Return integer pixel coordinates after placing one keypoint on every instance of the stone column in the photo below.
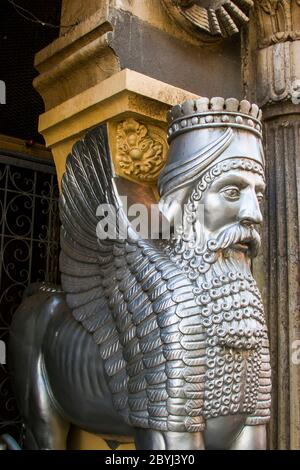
(272, 79)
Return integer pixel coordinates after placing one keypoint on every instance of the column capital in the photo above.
(129, 101)
(277, 21)
(272, 50)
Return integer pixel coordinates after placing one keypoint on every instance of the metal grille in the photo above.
(29, 250)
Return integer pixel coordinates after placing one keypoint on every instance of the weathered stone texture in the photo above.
(271, 74)
(282, 270)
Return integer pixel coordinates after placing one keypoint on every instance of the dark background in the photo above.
(20, 39)
(29, 221)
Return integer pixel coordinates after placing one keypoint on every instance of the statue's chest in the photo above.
(231, 382)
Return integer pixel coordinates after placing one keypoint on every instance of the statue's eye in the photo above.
(232, 193)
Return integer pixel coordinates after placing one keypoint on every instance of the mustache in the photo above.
(236, 234)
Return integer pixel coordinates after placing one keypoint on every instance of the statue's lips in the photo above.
(240, 247)
(244, 246)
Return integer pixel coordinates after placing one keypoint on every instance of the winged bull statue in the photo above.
(164, 341)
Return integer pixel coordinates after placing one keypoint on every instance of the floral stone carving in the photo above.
(141, 151)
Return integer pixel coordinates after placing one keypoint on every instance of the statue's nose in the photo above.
(250, 213)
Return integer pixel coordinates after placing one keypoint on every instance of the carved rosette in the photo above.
(218, 18)
(140, 151)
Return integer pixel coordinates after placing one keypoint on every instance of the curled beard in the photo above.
(231, 308)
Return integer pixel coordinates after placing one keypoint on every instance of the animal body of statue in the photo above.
(161, 341)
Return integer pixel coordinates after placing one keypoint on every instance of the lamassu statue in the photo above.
(163, 341)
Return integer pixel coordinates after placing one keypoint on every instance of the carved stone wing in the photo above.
(137, 304)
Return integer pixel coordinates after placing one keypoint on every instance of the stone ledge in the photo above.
(19, 145)
(124, 92)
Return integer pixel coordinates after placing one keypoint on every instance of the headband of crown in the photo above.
(215, 112)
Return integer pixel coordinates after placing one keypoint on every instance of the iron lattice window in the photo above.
(29, 251)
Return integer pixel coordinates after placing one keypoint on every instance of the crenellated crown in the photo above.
(214, 112)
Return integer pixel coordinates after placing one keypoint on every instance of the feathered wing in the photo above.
(137, 304)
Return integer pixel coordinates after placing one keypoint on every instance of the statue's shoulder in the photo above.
(38, 309)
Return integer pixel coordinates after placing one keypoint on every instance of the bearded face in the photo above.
(214, 246)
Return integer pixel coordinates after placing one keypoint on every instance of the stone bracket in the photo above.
(126, 94)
